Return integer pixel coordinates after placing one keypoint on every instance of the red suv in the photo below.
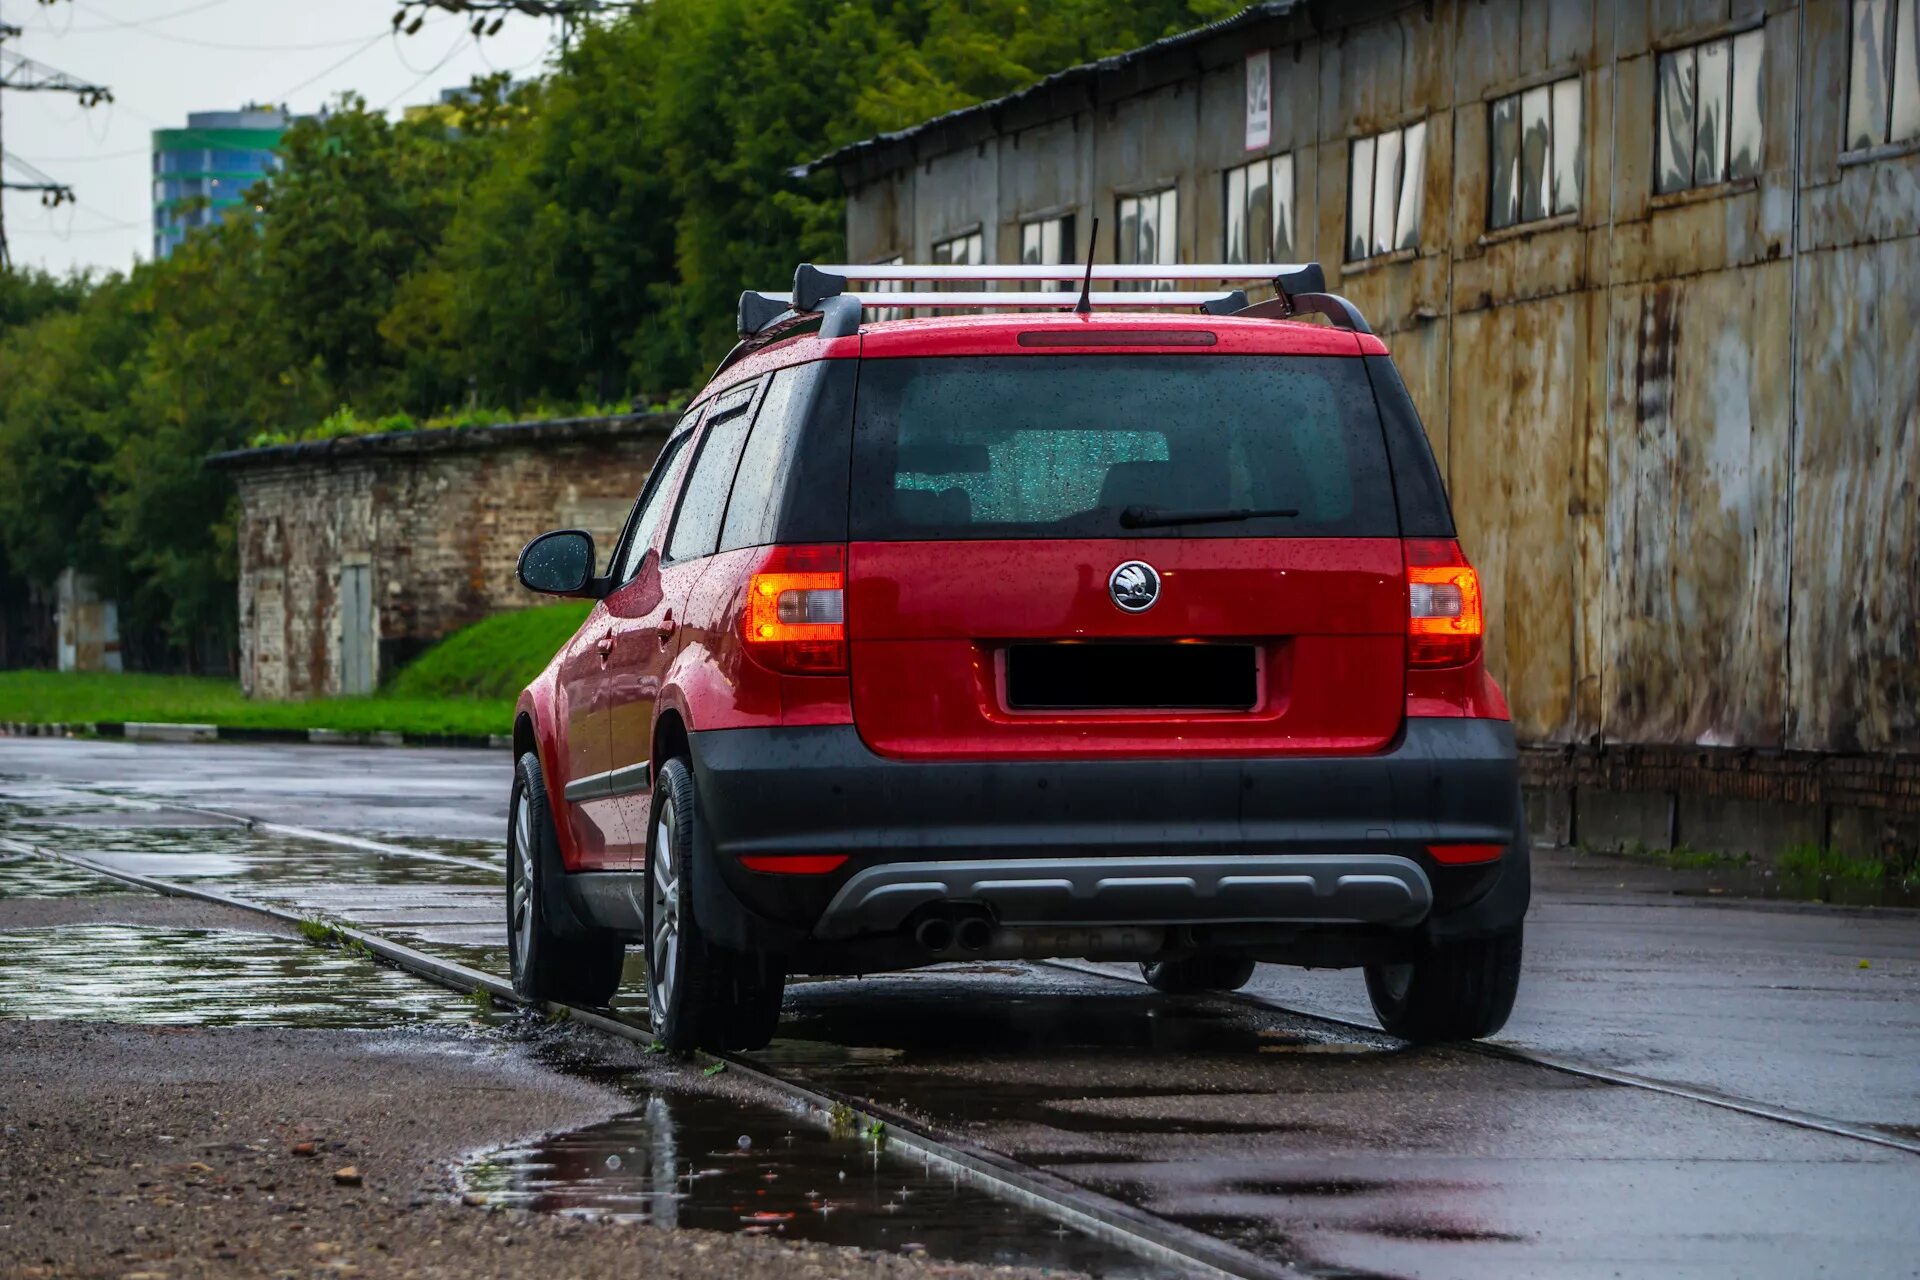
(1104, 630)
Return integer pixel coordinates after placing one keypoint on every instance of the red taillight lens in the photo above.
(1444, 616)
(1463, 855)
(796, 614)
(794, 864)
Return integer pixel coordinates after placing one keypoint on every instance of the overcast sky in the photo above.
(164, 58)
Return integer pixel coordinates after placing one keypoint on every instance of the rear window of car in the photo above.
(1060, 446)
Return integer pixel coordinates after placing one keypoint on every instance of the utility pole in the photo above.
(21, 74)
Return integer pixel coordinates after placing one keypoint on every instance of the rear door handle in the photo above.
(605, 645)
(667, 627)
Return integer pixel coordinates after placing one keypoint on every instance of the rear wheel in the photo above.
(699, 994)
(1452, 991)
(1207, 971)
(545, 964)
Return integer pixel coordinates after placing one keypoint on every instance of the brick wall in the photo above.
(436, 518)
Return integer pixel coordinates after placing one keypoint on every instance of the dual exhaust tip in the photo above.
(938, 935)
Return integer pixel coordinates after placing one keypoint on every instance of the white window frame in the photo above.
(968, 249)
(1050, 241)
(1561, 106)
(1278, 173)
(1883, 74)
(1129, 244)
(1678, 71)
(1379, 226)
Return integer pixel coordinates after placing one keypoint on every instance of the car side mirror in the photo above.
(559, 563)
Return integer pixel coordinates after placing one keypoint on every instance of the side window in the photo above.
(696, 529)
(767, 458)
(655, 499)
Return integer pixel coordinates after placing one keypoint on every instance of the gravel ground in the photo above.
(184, 1152)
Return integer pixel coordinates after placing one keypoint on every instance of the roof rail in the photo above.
(1301, 287)
(1142, 299)
(1247, 272)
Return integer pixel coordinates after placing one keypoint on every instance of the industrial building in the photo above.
(357, 553)
(1651, 269)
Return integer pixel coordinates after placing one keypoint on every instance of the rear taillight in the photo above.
(1444, 617)
(796, 614)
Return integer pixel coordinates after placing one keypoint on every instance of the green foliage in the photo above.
(347, 421)
(494, 658)
(582, 239)
(1818, 862)
(1684, 857)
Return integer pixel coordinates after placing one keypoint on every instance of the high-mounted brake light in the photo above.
(795, 619)
(1444, 617)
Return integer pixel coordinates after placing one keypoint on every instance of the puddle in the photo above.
(717, 1164)
(207, 977)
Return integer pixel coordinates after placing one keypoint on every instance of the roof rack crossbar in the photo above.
(1244, 272)
(822, 291)
(949, 301)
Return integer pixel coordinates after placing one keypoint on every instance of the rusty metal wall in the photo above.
(1682, 430)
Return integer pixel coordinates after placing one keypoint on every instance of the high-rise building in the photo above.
(203, 170)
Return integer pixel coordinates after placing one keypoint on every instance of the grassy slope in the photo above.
(464, 685)
(494, 658)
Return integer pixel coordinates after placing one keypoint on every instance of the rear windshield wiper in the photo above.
(1160, 517)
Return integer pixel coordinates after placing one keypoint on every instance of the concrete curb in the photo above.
(151, 731)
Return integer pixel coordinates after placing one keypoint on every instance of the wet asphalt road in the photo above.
(1336, 1150)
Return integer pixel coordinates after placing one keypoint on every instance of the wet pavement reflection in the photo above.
(681, 1160)
(207, 977)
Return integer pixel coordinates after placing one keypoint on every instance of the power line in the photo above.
(222, 45)
(111, 23)
(90, 158)
(21, 74)
(286, 94)
(445, 58)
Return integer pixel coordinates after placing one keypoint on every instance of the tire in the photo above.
(1207, 971)
(699, 994)
(545, 964)
(1452, 991)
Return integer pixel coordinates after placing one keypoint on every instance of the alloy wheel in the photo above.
(663, 890)
(520, 905)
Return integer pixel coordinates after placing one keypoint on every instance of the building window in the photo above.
(1386, 174)
(1710, 113)
(1260, 200)
(1883, 91)
(889, 286)
(1537, 154)
(1045, 242)
(969, 250)
(1149, 233)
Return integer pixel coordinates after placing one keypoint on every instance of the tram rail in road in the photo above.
(1150, 1220)
(1164, 1242)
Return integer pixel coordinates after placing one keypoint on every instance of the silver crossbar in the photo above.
(931, 301)
(1251, 272)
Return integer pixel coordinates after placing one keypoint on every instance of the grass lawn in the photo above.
(464, 685)
(53, 697)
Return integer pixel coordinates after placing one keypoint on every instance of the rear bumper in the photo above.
(1334, 840)
(1355, 888)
